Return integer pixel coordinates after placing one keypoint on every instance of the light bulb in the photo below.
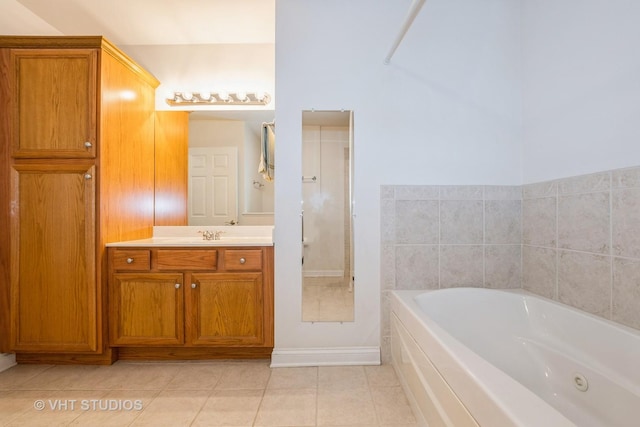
(187, 96)
(205, 96)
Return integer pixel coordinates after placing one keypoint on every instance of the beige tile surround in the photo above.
(448, 236)
(222, 393)
(581, 243)
(575, 240)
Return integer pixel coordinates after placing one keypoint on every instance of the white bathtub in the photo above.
(492, 358)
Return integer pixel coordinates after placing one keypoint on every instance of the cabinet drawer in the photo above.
(134, 259)
(187, 259)
(242, 259)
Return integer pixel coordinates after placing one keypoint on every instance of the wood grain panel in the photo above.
(147, 309)
(226, 309)
(53, 277)
(172, 152)
(5, 200)
(187, 259)
(131, 259)
(126, 153)
(193, 353)
(268, 294)
(79, 42)
(242, 259)
(55, 95)
(106, 357)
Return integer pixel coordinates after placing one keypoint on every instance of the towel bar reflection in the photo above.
(309, 178)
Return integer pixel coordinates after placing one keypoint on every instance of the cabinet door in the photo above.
(55, 95)
(146, 308)
(226, 309)
(53, 273)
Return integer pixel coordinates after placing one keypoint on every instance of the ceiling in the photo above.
(144, 22)
(164, 35)
(161, 23)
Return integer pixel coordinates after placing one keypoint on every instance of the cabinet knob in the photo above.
(87, 176)
(242, 260)
(193, 286)
(177, 285)
(88, 144)
(129, 260)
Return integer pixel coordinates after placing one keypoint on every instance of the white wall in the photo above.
(581, 87)
(447, 110)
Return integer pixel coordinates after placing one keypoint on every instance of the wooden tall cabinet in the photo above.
(54, 290)
(77, 172)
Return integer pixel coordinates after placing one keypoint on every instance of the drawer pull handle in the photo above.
(177, 285)
(193, 286)
(129, 260)
(87, 176)
(88, 144)
(242, 260)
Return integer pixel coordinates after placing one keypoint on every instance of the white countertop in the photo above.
(188, 236)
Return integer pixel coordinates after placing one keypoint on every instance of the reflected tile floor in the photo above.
(220, 393)
(327, 299)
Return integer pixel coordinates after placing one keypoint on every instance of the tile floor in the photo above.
(220, 393)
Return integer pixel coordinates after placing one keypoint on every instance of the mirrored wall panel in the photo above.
(227, 184)
(327, 226)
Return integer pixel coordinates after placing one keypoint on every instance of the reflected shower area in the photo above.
(327, 226)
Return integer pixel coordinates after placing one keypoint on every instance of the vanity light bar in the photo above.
(218, 98)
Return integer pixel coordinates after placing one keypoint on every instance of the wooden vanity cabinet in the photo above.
(149, 309)
(226, 309)
(76, 172)
(191, 302)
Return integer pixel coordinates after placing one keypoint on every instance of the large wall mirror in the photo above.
(226, 186)
(327, 226)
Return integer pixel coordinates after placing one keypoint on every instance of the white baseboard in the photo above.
(323, 273)
(7, 360)
(334, 356)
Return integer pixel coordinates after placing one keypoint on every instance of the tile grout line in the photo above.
(375, 407)
(264, 390)
(317, 394)
(557, 243)
(611, 251)
(484, 238)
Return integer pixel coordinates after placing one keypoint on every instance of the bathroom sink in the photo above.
(222, 241)
(192, 236)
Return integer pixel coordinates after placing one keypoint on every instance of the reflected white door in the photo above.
(213, 185)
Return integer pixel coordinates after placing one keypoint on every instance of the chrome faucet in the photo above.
(210, 235)
(206, 235)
